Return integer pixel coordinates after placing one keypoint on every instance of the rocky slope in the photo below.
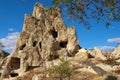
(3, 57)
(46, 42)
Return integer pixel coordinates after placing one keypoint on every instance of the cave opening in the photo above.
(34, 43)
(63, 44)
(40, 44)
(22, 46)
(54, 33)
(14, 74)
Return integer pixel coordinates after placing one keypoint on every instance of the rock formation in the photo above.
(3, 56)
(97, 53)
(116, 53)
(44, 40)
(82, 54)
(44, 37)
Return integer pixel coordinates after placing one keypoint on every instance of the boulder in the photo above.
(81, 55)
(116, 53)
(97, 53)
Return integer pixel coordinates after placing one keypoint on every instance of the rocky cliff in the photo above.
(44, 37)
(44, 41)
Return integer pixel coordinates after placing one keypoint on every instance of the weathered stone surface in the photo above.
(105, 67)
(116, 53)
(81, 55)
(87, 69)
(38, 77)
(97, 53)
(3, 58)
(3, 54)
(44, 37)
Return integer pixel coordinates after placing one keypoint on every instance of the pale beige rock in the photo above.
(116, 53)
(3, 60)
(72, 41)
(38, 77)
(97, 53)
(81, 55)
(105, 67)
(87, 69)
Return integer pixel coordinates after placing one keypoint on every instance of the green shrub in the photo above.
(62, 70)
(111, 78)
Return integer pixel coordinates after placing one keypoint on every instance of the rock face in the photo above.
(116, 53)
(43, 38)
(97, 53)
(3, 56)
(82, 54)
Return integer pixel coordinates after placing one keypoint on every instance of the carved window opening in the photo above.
(15, 63)
(63, 44)
(22, 47)
(14, 74)
(40, 44)
(54, 33)
(34, 43)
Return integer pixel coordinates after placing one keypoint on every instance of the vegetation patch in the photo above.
(62, 70)
(111, 78)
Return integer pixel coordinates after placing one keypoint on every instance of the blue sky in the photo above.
(12, 18)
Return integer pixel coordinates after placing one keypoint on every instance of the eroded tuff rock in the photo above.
(43, 38)
(81, 55)
(97, 53)
(116, 53)
(3, 56)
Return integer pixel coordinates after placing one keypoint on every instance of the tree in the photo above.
(85, 10)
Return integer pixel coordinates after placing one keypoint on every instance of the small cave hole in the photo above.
(40, 44)
(54, 33)
(22, 47)
(34, 43)
(63, 44)
(14, 74)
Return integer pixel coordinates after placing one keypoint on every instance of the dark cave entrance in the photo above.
(63, 44)
(22, 46)
(54, 33)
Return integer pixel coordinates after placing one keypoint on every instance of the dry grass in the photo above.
(30, 74)
(110, 61)
(75, 76)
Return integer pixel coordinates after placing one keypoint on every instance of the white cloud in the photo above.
(114, 40)
(106, 48)
(9, 41)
